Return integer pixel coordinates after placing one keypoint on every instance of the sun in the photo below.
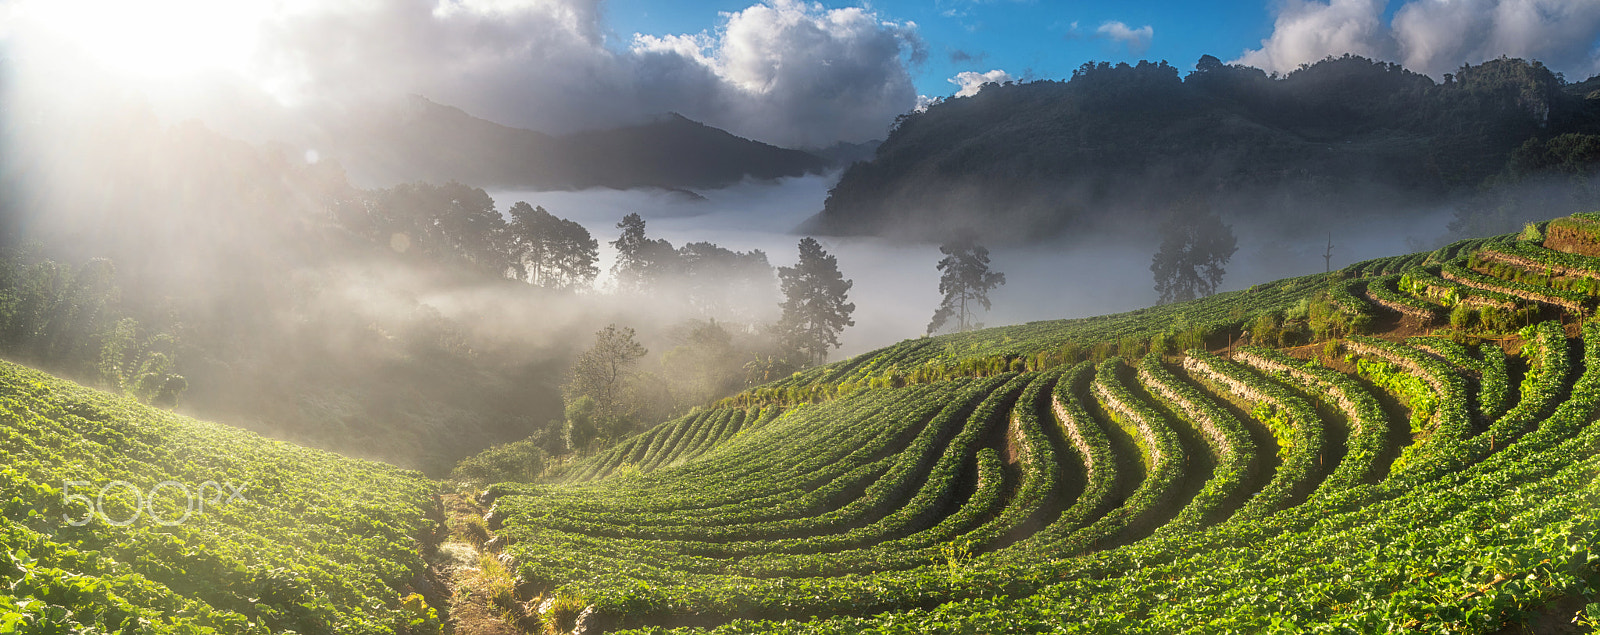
(157, 39)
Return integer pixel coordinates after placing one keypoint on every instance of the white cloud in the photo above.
(972, 82)
(1435, 36)
(1137, 40)
(782, 71)
(1308, 30)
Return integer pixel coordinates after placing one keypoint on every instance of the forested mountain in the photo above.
(1340, 137)
(424, 141)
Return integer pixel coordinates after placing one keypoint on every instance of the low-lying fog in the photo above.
(897, 285)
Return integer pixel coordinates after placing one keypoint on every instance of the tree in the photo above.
(1194, 247)
(446, 223)
(602, 372)
(550, 252)
(642, 263)
(721, 283)
(814, 306)
(966, 282)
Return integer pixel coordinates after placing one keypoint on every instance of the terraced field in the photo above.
(1155, 471)
(1143, 472)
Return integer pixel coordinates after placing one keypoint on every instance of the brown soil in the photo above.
(471, 611)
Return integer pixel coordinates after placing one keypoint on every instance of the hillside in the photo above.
(1357, 462)
(425, 141)
(124, 518)
(1117, 145)
(1409, 443)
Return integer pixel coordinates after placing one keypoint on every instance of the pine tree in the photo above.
(814, 306)
(966, 283)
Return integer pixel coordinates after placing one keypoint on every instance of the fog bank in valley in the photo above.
(1089, 272)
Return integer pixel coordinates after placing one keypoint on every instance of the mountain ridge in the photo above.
(1119, 143)
(421, 140)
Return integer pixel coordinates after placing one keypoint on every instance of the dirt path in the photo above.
(481, 594)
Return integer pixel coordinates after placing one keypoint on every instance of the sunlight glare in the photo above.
(159, 39)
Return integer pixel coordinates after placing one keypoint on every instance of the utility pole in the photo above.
(1327, 256)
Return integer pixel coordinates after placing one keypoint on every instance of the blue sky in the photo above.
(1034, 40)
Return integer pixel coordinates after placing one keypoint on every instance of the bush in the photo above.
(1264, 330)
(1462, 316)
(518, 461)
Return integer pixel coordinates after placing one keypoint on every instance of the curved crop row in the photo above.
(1384, 293)
(1233, 448)
(1290, 419)
(1455, 271)
(1451, 422)
(1369, 427)
(1494, 385)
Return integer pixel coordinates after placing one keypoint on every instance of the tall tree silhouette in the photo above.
(1194, 247)
(965, 284)
(548, 251)
(641, 261)
(814, 306)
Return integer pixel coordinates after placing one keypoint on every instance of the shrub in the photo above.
(1462, 316)
(518, 461)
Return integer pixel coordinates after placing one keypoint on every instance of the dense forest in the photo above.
(1332, 140)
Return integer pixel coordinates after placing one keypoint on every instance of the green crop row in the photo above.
(1384, 292)
(308, 541)
(1369, 426)
(1494, 385)
(1457, 271)
(1451, 423)
(1299, 430)
(1230, 443)
(1366, 560)
(791, 489)
(1166, 460)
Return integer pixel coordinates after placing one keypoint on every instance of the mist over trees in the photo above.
(815, 309)
(550, 252)
(965, 283)
(1110, 147)
(1195, 246)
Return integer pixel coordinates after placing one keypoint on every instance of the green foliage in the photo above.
(1195, 246)
(518, 461)
(548, 251)
(604, 373)
(312, 539)
(814, 306)
(1040, 157)
(71, 321)
(966, 278)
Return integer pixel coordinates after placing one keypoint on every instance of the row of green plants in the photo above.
(1292, 421)
(1536, 291)
(1231, 447)
(1165, 459)
(758, 478)
(986, 517)
(1493, 381)
(1549, 367)
(902, 495)
(101, 529)
(1366, 560)
(1534, 257)
(1441, 404)
(1386, 292)
(1367, 440)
